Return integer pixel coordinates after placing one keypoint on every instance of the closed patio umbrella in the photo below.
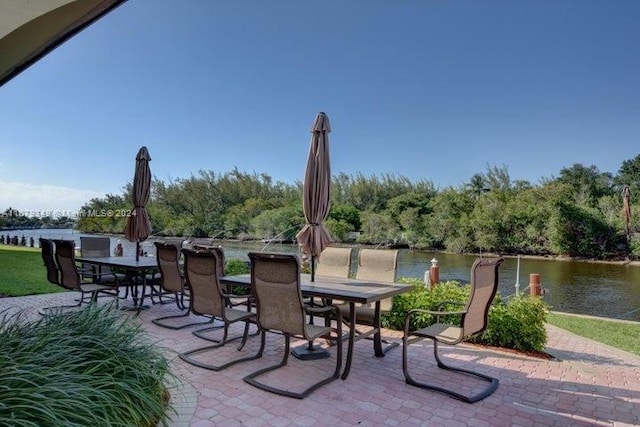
(314, 237)
(315, 203)
(138, 224)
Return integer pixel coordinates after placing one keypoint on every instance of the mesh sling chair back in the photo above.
(221, 265)
(218, 251)
(71, 278)
(334, 262)
(473, 320)
(98, 246)
(275, 285)
(172, 281)
(209, 299)
(47, 250)
(379, 265)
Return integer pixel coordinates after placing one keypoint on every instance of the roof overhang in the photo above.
(30, 29)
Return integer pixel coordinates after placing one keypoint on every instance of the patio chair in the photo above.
(98, 246)
(70, 276)
(275, 284)
(473, 320)
(209, 299)
(172, 281)
(378, 265)
(47, 250)
(221, 261)
(334, 262)
(218, 251)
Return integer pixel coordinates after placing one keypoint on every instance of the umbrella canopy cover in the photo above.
(30, 30)
(138, 225)
(314, 237)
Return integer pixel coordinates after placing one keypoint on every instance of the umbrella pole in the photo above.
(137, 251)
(313, 269)
(310, 352)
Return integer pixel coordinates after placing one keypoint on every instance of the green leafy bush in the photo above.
(517, 323)
(424, 298)
(88, 367)
(234, 267)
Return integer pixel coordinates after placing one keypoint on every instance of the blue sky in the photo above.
(429, 90)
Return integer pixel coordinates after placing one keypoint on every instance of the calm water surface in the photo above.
(607, 290)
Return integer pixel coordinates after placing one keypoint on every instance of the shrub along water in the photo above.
(517, 323)
(89, 367)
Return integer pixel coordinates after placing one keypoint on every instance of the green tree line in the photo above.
(579, 213)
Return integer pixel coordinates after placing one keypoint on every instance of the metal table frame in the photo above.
(140, 267)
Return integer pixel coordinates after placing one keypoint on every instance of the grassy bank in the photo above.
(22, 272)
(622, 335)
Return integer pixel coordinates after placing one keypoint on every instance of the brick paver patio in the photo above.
(587, 384)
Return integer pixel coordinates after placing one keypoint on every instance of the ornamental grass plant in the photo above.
(89, 367)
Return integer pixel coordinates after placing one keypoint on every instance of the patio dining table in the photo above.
(351, 291)
(141, 268)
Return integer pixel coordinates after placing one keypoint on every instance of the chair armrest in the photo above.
(246, 299)
(436, 313)
(323, 309)
(237, 296)
(96, 276)
(443, 303)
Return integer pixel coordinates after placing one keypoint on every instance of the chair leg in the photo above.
(251, 378)
(378, 349)
(179, 302)
(186, 356)
(44, 311)
(156, 290)
(487, 391)
(160, 321)
(377, 338)
(200, 333)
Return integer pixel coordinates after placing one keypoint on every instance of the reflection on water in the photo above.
(607, 290)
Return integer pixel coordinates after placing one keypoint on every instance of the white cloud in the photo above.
(36, 200)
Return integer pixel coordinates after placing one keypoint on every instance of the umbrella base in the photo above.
(310, 352)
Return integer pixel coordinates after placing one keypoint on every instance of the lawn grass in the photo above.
(622, 335)
(22, 272)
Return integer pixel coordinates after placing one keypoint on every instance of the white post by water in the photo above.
(518, 277)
